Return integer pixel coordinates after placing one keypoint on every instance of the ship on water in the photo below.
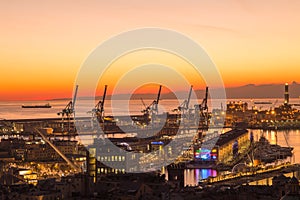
(37, 106)
(262, 102)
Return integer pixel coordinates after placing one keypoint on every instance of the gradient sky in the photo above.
(44, 43)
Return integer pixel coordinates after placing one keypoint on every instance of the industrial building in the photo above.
(228, 145)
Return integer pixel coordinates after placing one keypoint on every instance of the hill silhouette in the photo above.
(247, 91)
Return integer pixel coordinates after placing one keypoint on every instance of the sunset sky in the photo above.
(44, 43)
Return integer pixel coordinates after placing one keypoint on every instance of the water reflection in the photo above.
(281, 137)
(193, 176)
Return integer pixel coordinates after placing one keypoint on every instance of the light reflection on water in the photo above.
(284, 138)
(192, 176)
(13, 110)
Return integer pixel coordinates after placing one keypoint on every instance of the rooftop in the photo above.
(230, 135)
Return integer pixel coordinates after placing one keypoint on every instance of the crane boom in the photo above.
(155, 102)
(68, 111)
(189, 98)
(99, 107)
(151, 110)
(185, 104)
(103, 99)
(205, 99)
(202, 109)
(74, 98)
(158, 95)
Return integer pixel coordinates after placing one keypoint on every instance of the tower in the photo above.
(286, 94)
(91, 163)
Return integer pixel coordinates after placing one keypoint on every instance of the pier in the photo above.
(247, 177)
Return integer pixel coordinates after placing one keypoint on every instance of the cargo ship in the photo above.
(262, 102)
(37, 106)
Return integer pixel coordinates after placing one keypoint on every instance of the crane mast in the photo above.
(189, 98)
(99, 108)
(68, 111)
(204, 102)
(74, 100)
(151, 110)
(157, 100)
(103, 100)
(185, 104)
(202, 110)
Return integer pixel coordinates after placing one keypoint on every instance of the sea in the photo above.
(14, 110)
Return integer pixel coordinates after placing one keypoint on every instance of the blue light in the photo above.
(157, 143)
(205, 156)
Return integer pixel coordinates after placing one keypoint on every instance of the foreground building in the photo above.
(227, 146)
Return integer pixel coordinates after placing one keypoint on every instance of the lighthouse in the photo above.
(286, 94)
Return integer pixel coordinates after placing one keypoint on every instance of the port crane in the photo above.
(201, 110)
(98, 111)
(151, 110)
(68, 111)
(185, 104)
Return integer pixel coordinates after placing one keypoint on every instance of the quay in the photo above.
(88, 126)
(252, 176)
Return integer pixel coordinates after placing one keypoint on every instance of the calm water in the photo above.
(13, 110)
(192, 176)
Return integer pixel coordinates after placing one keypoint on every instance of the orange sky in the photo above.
(44, 43)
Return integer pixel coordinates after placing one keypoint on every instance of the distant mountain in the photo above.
(263, 91)
(250, 91)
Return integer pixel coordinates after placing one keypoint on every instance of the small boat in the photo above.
(38, 106)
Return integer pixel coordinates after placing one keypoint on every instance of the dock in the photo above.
(247, 177)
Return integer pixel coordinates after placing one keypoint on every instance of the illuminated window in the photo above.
(170, 150)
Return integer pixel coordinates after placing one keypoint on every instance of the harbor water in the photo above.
(14, 110)
(285, 138)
